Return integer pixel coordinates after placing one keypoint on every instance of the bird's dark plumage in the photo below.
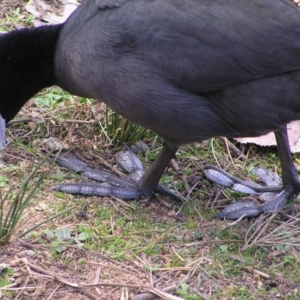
(187, 69)
(146, 51)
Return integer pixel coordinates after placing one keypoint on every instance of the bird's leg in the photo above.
(289, 173)
(149, 181)
(139, 183)
(291, 186)
(290, 178)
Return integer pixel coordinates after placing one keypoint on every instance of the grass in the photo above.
(119, 130)
(13, 203)
(203, 257)
(131, 247)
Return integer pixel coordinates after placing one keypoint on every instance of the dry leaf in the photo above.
(50, 13)
(269, 139)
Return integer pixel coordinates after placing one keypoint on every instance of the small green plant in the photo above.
(17, 17)
(5, 275)
(51, 98)
(3, 181)
(62, 238)
(185, 292)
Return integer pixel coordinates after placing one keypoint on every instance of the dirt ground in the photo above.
(6, 6)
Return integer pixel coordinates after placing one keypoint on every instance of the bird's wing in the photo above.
(207, 45)
(199, 46)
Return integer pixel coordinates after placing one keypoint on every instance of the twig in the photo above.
(107, 284)
(286, 233)
(149, 296)
(53, 291)
(233, 148)
(176, 168)
(200, 294)
(18, 121)
(186, 185)
(30, 246)
(62, 280)
(79, 121)
(124, 203)
(211, 202)
(262, 274)
(108, 165)
(176, 253)
(163, 202)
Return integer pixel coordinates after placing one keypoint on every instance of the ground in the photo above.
(75, 247)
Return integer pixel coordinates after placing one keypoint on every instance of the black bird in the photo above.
(188, 70)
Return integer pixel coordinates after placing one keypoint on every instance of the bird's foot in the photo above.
(274, 195)
(105, 183)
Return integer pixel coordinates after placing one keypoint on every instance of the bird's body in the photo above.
(157, 63)
(187, 69)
